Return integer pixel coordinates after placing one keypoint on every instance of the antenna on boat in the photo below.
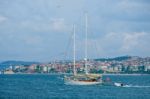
(86, 26)
(74, 50)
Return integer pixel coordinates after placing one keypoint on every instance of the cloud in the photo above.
(47, 25)
(127, 10)
(117, 25)
(2, 18)
(123, 42)
(37, 26)
(58, 24)
(117, 43)
(131, 40)
(34, 40)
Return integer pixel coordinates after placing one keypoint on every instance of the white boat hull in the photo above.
(73, 82)
(121, 85)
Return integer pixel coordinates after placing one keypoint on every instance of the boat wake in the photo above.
(125, 85)
(137, 86)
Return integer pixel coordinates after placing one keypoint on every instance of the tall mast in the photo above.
(74, 51)
(86, 26)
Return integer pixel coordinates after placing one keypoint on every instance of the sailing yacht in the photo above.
(82, 79)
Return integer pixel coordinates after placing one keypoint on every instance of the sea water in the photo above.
(51, 86)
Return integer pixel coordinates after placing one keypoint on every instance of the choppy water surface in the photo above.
(53, 87)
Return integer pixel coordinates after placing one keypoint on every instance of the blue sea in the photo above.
(51, 86)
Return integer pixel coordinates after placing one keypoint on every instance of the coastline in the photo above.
(126, 74)
(109, 74)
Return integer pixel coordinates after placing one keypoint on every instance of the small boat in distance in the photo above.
(82, 79)
(120, 85)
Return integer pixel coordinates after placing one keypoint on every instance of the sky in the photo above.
(41, 30)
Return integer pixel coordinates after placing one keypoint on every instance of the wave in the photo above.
(136, 86)
(61, 78)
(125, 85)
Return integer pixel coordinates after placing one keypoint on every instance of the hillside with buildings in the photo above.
(124, 64)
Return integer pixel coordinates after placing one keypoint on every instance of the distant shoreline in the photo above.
(69, 74)
(127, 74)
